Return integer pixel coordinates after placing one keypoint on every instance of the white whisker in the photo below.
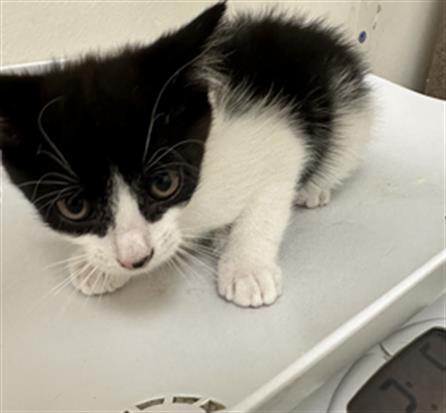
(67, 261)
(153, 116)
(55, 290)
(105, 280)
(75, 290)
(55, 193)
(192, 257)
(179, 269)
(62, 160)
(27, 183)
(169, 149)
(57, 174)
(55, 159)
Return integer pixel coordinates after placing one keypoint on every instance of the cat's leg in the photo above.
(89, 280)
(248, 273)
(350, 134)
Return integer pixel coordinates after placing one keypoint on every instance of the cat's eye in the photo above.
(73, 208)
(164, 184)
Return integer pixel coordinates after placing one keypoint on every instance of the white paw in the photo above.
(312, 196)
(91, 281)
(252, 286)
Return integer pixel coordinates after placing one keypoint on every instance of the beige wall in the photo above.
(398, 45)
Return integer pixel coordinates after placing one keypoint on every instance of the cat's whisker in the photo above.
(55, 290)
(193, 258)
(211, 249)
(195, 266)
(179, 269)
(200, 262)
(58, 289)
(189, 269)
(50, 204)
(198, 237)
(68, 303)
(69, 260)
(153, 116)
(63, 162)
(207, 253)
(194, 237)
(197, 244)
(75, 290)
(105, 280)
(203, 250)
(52, 292)
(57, 194)
(62, 176)
(76, 273)
(160, 150)
(35, 182)
(170, 149)
(182, 164)
(176, 268)
(94, 288)
(88, 277)
(55, 159)
(55, 174)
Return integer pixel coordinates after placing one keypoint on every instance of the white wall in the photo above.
(399, 40)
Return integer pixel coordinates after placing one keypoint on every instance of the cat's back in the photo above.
(273, 54)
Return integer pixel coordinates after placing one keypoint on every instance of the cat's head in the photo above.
(109, 149)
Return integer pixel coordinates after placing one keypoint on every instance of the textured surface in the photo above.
(168, 334)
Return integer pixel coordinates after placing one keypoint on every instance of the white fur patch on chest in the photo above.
(243, 154)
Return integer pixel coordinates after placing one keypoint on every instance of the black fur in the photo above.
(296, 62)
(98, 116)
(98, 111)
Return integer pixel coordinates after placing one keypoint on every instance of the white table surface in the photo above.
(164, 334)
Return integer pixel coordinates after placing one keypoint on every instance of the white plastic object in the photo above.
(353, 272)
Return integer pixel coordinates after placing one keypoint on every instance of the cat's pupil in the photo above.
(75, 205)
(163, 181)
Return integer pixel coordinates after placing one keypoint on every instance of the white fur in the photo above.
(250, 170)
(352, 131)
(128, 240)
(249, 175)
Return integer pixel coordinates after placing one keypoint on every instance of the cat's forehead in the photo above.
(108, 114)
(121, 79)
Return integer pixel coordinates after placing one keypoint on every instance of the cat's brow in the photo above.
(169, 149)
(58, 157)
(61, 180)
(154, 116)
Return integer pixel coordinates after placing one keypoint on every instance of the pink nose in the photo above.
(133, 265)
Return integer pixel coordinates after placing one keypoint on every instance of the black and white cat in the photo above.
(225, 122)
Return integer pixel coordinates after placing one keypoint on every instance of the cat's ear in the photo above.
(189, 41)
(195, 34)
(19, 97)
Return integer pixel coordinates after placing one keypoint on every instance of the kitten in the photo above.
(227, 121)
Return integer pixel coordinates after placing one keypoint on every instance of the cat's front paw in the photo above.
(91, 281)
(311, 196)
(249, 286)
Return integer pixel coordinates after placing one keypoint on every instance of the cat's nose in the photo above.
(133, 265)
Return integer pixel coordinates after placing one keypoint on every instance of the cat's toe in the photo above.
(91, 281)
(250, 287)
(312, 196)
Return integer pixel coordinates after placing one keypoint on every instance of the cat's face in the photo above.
(109, 150)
